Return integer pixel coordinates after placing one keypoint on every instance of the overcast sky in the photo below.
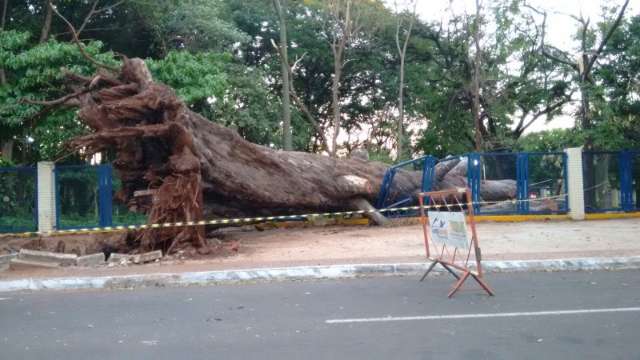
(560, 27)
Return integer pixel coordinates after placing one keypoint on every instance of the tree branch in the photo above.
(546, 110)
(59, 101)
(77, 41)
(543, 47)
(95, 11)
(606, 39)
(3, 18)
(303, 107)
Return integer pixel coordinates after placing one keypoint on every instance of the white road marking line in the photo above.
(480, 316)
(4, 298)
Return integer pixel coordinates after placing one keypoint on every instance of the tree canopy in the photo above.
(224, 60)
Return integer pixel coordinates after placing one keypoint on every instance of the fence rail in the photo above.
(18, 199)
(84, 194)
(611, 181)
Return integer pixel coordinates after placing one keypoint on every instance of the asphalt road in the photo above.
(534, 316)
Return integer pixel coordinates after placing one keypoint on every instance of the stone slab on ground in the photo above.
(4, 259)
(22, 265)
(147, 257)
(48, 257)
(120, 259)
(91, 260)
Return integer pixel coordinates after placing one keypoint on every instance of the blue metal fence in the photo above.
(612, 183)
(85, 198)
(538, 181)
(78, 193)
(18, 199)
(611, 180)
(390, 197)
(635, 180)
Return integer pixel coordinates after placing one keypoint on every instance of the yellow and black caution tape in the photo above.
(247, 220)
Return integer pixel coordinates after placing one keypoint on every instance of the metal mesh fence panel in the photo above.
(77, 200)
(601, 172)
(18, 199)
(635, 179)
(546, 183)
(398, 195)
(498, 183)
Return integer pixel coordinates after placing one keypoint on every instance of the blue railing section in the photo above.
(612, 183)
(611, 180)
(18, 199)
(426, 164)
(540, 180)
(84, 196)
(635, 180)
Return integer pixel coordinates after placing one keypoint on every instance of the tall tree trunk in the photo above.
(400, 135)
(46, 27)
(589, 158)
(7, 150)
(287, 142)
(335, 99)
(3, 16)
(3, 19)
(7, 145)
(476, 80)
(402, 52)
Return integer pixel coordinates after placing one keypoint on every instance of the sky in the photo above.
(559, 32)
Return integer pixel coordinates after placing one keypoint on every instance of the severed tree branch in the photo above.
(59, 101)
(607, 37)
(95, 11)
(77, 41)
(543, 46)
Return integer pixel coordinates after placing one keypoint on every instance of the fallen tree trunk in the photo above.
(453, 173)
(195, 168)
(177, 166)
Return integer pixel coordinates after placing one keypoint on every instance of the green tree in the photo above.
(33, 72)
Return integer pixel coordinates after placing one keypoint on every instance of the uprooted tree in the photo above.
(191, 168)
(177, 166)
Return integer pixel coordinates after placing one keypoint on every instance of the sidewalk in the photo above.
(501, 243)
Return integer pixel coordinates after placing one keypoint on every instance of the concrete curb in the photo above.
(303, 273)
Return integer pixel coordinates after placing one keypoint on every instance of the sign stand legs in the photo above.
(461, 280)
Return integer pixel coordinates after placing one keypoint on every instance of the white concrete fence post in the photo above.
(46, 197)
(575, 183)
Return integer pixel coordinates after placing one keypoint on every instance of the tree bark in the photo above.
(476, 80)
(46, 27)
(402, 51)
(342, 13)
(197, 169)
(3, 19)
(7, 149)
(287, 142)
(335, 101)
(177, 166)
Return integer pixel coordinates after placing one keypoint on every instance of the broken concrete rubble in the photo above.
(147, 257)
(47, 257)
(91, 260)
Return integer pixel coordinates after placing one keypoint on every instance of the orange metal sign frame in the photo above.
(451, 200)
